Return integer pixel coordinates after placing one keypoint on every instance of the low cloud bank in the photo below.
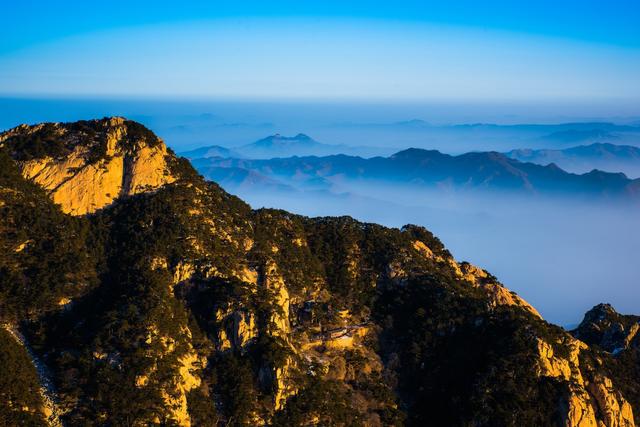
(563, 257)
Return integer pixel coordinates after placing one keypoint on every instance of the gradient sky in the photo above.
(545, 50)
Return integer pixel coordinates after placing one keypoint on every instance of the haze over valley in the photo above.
(559, 236)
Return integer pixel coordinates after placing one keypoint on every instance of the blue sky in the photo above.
(490, 50)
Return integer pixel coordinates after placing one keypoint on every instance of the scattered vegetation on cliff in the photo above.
(20, 403)
(184, 306)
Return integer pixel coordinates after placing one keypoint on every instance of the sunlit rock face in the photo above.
(477, 277)
(90, 165)
(592, 399)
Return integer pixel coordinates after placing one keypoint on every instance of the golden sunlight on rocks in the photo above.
(185, 382)
(592, 400)
(423, 249)
(82, 184)
(498, 294)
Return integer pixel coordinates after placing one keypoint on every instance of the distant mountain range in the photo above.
(586, 127)
(603, 156)
(211, 151)
(284, 146)
(237, 178)
(579, 135)
(384, 139)
(485, 136)
(430, 169)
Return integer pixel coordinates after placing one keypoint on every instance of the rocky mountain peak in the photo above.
(86, 165)
(608, 329)
(600, 312)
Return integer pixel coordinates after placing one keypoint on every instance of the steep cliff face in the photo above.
(184, 306)
(592, 398)
(86, 166)
(617, 336)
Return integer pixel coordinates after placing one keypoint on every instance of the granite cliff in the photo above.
(85, 166)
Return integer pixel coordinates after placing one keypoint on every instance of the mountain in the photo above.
(210, 151)
(86, 165)
(271, 145)
(282, 146)
(175, 303)
(604, 327)
(593, 128)
(560, 127)
(573, 135)
(432, 169)
(386, 139)
(616, 334)
(583, 158)
(481, 136)
(238, 178)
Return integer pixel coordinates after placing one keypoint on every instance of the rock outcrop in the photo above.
(611, 331)
(185, 381)
(244, 328)
(497, 294)
(592, 398)
(104, 160)
(274, 282)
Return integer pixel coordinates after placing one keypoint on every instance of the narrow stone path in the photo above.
(47, 390)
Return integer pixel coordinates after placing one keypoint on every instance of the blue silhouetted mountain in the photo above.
(238, 177)
(486, 136)
(431, 168)
(210, 151)
(284, 146)
(279, 145)
(577, 135)
(583, 158)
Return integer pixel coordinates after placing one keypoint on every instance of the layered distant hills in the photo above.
(282, 146)
(486, 136)
(288, 162)
(201, 130)
(429, 169)
(579, 130)
(211, 151)
(584, 158)
(133, 292)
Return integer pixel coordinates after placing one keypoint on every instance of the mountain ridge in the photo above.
(278, 145)
(181, 305)
(121, 158)
(414, 166)
(582, 158)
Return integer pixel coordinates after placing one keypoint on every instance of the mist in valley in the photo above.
(563, 257)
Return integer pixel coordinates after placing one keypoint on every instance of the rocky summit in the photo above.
(86, 165)
(133, 292)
